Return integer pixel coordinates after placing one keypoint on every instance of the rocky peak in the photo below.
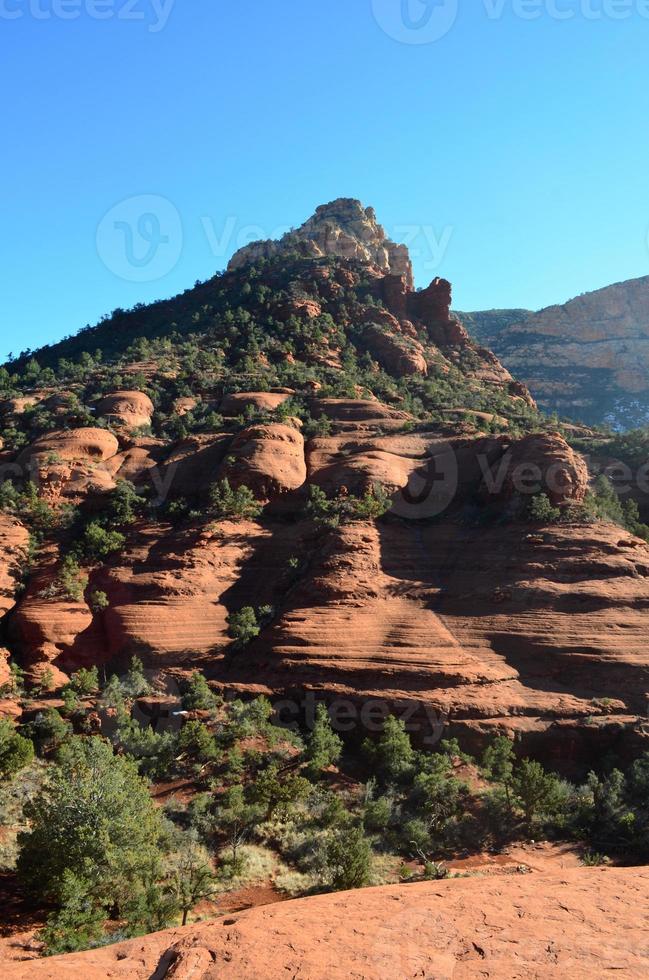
(343, 228)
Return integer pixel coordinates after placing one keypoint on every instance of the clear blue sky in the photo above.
(520, 146)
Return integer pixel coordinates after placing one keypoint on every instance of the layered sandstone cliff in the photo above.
(587, 360)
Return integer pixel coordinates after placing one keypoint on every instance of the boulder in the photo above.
(131, 409)
(542, 463)
(71, 445)
(260, 401)
(269, 459)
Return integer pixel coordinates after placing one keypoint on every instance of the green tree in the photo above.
(113, 693)
(393, 754)
(348, 859)
(48, 731)
(98, 543)
(540, 509)
(321, 509)
(94, 820)
(235, 818)
(228, 503)
(243, 626)
(16, 752)
(197, 694)
(124, 504)
(99, 601)
(85, 681)
(197, 745)
(135, 683)
(78, 923)
(190, 877)
(374, 503)
(538, 790)
(498, 763)
(276, 792)
(323, 745)
(71, 580)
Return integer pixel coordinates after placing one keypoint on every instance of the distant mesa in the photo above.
(587, 360)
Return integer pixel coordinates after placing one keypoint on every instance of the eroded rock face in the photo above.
(433, 929)
(14, 542)
(499, 627)
(488, 629)
(395, 351)
(356, 410)
(344, 228)
(587, 359)
(261, 401)
(53, 630)
(73, 445)
(170, 594)
(540, 464)
(70, 463)
(268, 459)
(132, 409)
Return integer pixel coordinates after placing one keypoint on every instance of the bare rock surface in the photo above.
(589, 922)
(587, 359)
(344, 228)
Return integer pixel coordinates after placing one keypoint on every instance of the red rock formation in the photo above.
(132, 409)
(70, 463)
(540, 464)
(182, 406)
(501, 630)
(14, 542)
(356, 410)
(269, 459)
(432, 306)
(72, 445)
(261, 401)
(395, 293)
(586, 922)
(343, 228)
(171, 592)
(398, 354)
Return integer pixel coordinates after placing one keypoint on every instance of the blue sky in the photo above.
(512, 151)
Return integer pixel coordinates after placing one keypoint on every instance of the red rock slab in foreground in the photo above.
(585, 923)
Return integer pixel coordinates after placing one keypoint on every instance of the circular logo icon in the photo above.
(430, 489)
(141, 238)
(415, 21)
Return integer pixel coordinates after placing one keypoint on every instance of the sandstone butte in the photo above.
(584, 924)
(477, 625)
(537, 632)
